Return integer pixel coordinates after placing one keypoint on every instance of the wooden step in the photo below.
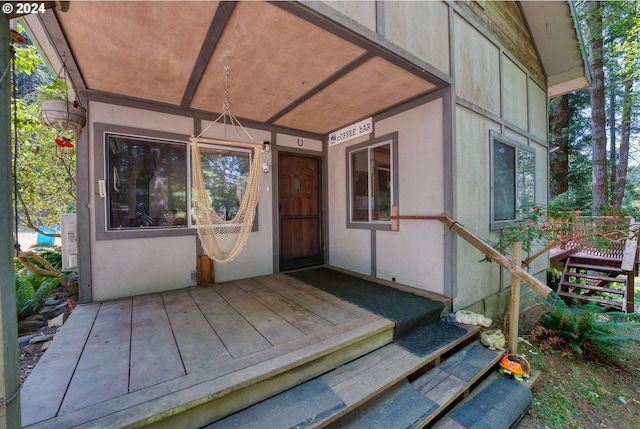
(597, 277)
(415, 404)
(326, 400)
(498, 403)
(589, 298)
(593, 267)
(592, 288)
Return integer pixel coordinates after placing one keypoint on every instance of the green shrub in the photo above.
(553, 278)
(32, 289)
(592, 331)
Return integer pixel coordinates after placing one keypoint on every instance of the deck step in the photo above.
(591, 270)
(498, 403)
(593, 288)
(353, 389)
(415, 404)
(588, 298)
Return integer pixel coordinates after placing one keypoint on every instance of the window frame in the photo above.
(369, 145)
(101, 132)
(518, 149)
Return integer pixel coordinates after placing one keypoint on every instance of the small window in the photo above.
(513, 179)
(147, 183)
(371, 178)
(225, 172)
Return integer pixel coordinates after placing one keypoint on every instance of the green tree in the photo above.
(45, 161)
(602, 129)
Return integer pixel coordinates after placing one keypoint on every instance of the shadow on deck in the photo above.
(189, 357)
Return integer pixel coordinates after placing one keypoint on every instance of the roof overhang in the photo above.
(558, 42)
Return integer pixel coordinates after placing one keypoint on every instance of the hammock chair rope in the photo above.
(224, 239)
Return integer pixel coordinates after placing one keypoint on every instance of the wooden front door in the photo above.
(300, 215)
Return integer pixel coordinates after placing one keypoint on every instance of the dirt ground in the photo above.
(574, 393)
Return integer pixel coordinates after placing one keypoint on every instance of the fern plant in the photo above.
(594, 332)
(32, 290)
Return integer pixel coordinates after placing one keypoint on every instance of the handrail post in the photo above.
(514, 300)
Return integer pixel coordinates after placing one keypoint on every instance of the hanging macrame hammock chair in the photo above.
(224, 239)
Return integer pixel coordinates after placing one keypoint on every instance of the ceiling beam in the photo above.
(322, 85)
(61, 54)
(218, 23)
(337, 24)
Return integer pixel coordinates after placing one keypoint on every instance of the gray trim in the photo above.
(500, 121)
(410, 104)
(275, 198)
(449, 172)
(386, 226)
(51, 26)
(374, 253)
(327, 18)
(83, 213)
(99, 130)
(322, 85)
(494, 136)
(155, 106)
(450, 241)
(218, 23)
(325, 200)
(380, 18)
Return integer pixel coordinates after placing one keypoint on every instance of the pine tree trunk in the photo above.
(621, 175)
(559, 142)
(600, 182)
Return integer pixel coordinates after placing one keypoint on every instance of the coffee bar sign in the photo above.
(351, 132)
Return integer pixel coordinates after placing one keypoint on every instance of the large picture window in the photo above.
(513, 179)
(147, 183)
(371, 178)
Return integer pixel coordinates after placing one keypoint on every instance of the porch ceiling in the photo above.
(286, 68)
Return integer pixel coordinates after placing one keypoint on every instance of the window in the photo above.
(513, 179)
(371, 174)
(147, 183)
(225, 172)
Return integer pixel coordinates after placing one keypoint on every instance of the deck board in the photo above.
(236, 333)
(155, 357)
(273, 327)
(200, 350)
(105, 360)
(200, 346)
(56, 367)
(221, 379)
(300, 317)
(326, 306)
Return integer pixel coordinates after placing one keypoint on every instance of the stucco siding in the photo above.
(363, 12)
(477, 67)
(473, 279)
(514, 94)
(422, 28)
(117, 261)
(538, 111)
(133, 267)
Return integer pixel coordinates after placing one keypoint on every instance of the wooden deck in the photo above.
(207, 350)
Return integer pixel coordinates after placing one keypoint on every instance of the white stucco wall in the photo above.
(420, 27)
(125, 267)
(477, 67)
(414, 255)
